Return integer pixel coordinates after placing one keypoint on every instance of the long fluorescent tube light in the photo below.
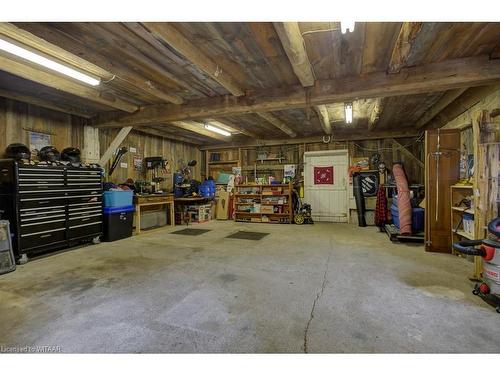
(50, 64)
(217, 130)
(346, 26)
(348, 113)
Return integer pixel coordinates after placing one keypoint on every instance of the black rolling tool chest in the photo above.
(50, 207)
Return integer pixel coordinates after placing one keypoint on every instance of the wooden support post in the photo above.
(486, 165)
(120, 137)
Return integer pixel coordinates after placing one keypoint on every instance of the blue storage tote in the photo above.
(417, 218)
(118, 198)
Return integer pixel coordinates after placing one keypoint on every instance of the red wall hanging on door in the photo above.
(323, 175)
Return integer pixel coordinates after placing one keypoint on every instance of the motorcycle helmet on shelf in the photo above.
(71, 154)
(18, 151)
(49, 154)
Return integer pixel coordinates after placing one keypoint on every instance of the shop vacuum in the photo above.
(489, 250)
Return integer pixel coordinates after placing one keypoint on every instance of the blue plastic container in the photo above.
(118, 198)
(417, 218)
(118, 210)
(207, 188)
(178, 178)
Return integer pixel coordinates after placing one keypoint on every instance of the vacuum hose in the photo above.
(494, 227)
(467, 247)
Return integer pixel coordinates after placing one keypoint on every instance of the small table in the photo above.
(153, 200)
(190, 200)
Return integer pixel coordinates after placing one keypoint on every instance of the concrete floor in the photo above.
(320, 288)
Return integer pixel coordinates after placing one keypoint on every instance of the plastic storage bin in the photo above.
(417, 219)
(468, 221)
(118, 222)
(118, 198)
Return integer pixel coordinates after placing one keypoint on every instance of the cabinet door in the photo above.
(442, 169)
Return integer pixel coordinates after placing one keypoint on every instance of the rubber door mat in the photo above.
(243, 235)
(191, 231)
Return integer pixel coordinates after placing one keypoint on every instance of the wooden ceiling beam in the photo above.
(113, 72)
(67, 85)
(294, 46)
(198, 128)
(234, 126)
(460, 105)
(449, 97)
(440, 76)
(403, 45)
(113, 40)
(161, 134)
(139, 30)
(276, 122)
(376, 113)
(324, 118)
(27, 39)
(170, 35)
(39, 101)
(340, 136)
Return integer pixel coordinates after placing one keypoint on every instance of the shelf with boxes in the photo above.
(264, 203)
(462, 213)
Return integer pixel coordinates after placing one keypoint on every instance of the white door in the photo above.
(326, 192)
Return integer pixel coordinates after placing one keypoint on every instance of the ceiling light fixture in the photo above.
(346, 26)
(348, 113)
(217, 130)
(50, 64)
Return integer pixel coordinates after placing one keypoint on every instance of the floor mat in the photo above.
(243, 235)
(191, 231)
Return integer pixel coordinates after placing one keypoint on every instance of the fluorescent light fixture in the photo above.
(346, 26)
(43, 61)
(217, 130)
(348, 113)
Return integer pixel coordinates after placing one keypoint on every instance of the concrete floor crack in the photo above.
(318, 296)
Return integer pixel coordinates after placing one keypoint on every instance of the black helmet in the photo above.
(71, 154)
(18, 151)
(49, 153)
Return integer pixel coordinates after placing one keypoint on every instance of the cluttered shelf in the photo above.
(267, 202)
(463, 209)
(464, 234)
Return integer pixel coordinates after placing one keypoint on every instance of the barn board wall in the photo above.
(145, 146)
(489, 103)
(17, 118)
(294, 155)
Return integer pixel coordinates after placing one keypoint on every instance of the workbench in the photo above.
(153, 200)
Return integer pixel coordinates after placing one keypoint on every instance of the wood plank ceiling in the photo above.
(256, 80)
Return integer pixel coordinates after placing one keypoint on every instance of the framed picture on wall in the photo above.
(39, 140)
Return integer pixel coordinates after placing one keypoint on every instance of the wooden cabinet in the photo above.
(442, 161)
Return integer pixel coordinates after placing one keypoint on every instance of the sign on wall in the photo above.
(323, 175)
(39, 140)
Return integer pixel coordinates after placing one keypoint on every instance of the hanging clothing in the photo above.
(381, 207)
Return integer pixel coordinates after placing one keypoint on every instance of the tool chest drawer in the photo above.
(42, 238)
(85, 219)
(40, 201)
(42, 225)
(85, 230)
